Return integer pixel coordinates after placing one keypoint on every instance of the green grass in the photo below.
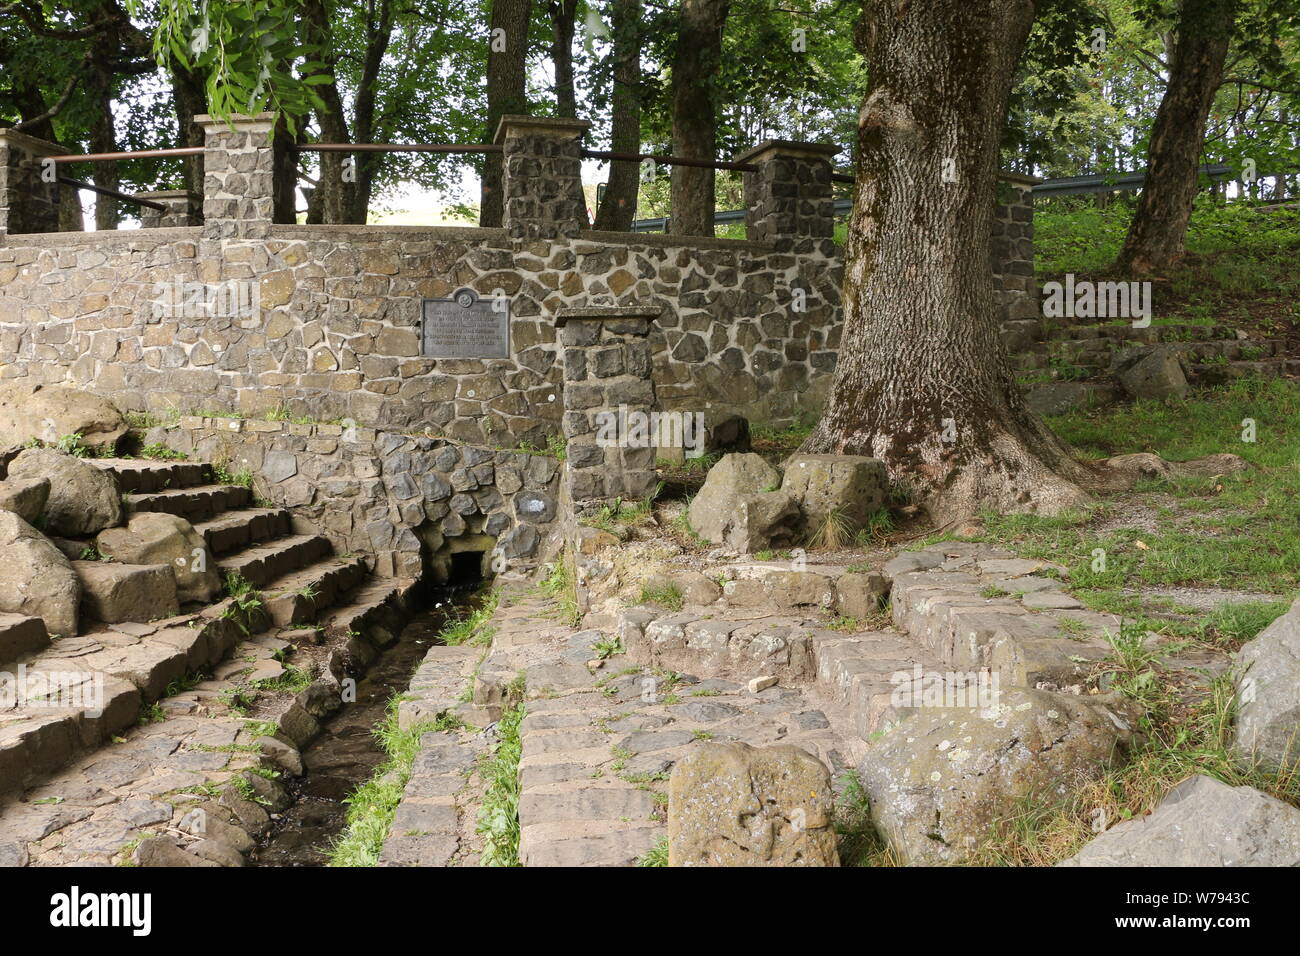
(657, 855)
(1180, 742)
(372, 806)
(1240, 267)
(498, 818)
(561, 587)
(472, 628)
(668, 596)
(1238, 531)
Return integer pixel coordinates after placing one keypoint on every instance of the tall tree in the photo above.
(1159, 227)
(618, 208)
(563, 14)
(506, 91)
(922, 382)
(695, 113)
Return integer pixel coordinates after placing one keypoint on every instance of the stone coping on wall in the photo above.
(787, 147)
(334, 230)
(155, 237)
(674, 242)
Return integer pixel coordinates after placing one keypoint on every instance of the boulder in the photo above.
(740, 507)
(1202, 822)
(83, 499)
(114, 593)
(860, 594)
(852, 486)
(760, 522)
(1057, 398)
(50, 412)
(25, 497)
(1157, 374)
(1268, 695)
(158, 538)
(730, 804)
(35, 578)
(940, 780)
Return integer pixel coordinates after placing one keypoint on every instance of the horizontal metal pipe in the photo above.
(113, 193)
(394, 148)
(136, 154)
(668, 160)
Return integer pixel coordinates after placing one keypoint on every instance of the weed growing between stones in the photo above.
(498, 818)
(561, 587)
(657, 855)
(472, 628)
(667, 596)
(1180, 741)
(860, 843)
(372, 807)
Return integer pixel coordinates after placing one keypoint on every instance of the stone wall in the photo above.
(332, 331)
(410, 500)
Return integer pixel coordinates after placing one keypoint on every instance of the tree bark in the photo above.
(563, 13)
(695, 114)
(331, 200)
(189, 98)
(922, 381)
(618, 209)
(1156, 235)
(506, 92)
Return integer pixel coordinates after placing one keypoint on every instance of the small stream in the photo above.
(347, 754)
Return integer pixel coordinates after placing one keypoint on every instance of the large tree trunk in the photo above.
(619, 206)
(334, 195)
(922, 381)
(563, 13)
(506, 92)
(695, 113)
(190, 99)
(1159, 227)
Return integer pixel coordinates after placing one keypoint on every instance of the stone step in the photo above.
(594, 843)
(141, 476)
(367, 607)
(114, 593)
(21, 636)
(199, 503)
(262, 564)
(238, 529)
(300, 597)
(871, 674)
(81, 691)
(40, 737)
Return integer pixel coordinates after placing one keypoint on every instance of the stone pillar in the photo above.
(608, 385)
(541, 176)
(184, 208)
(788, 199)
(238, 176)
(1011, 251)
(27, 202)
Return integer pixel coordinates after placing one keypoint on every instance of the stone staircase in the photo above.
(1069, 365)
(329, 605)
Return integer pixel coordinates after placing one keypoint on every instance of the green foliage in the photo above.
(160, 452)
(657, 855)
(373, 805)
(472, 628)
(667, 596)
(561, 586)
(243, 51)
(498, 818)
